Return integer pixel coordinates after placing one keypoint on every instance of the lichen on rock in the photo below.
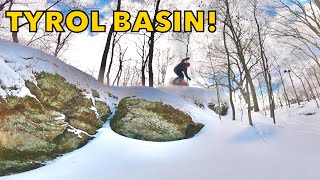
(103, 109)
(152, 121)
(31, 131)
(26, 133)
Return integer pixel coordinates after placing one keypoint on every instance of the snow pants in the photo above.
(179, 74)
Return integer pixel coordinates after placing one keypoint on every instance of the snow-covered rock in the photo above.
(42, 113)
(152, 121)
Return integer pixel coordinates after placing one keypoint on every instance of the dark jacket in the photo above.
(182, 67)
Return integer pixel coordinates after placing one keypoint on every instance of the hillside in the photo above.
(222, 149)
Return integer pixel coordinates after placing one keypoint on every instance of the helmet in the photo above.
(187, 64)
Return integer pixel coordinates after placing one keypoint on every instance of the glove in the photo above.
(189, 79)
(185, 59)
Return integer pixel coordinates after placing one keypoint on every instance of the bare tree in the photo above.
(122, 53)
(163, 64)
(143, 52)
(15, 38)
(278, 69)
(238, 40)
(311, 90)
(106, 50)
(184, 38)
(302, 25)
(229, 68)
(303, 85)
(265, 63)
(3, 4)
(294, 88)
(151, 45)
(61, 42)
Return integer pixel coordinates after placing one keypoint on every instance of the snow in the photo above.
(60, 117)
(19, 63)
(223, 149)
(76, 131)
(9, 78)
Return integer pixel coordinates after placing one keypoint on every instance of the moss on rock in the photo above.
(53, 90)
(70, 141)
(12, 167)
(95, 93)
(103, 110)
(26, 129)
(152, 121)
(79, 109)
(30, 132)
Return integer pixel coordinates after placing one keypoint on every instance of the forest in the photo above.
(263, 54)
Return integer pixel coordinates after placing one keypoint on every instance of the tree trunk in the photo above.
(294, 88)
(317, 3)
(311, 90)
(58, 44)
(249, 105)
(105, 56)
(143, 77)
(143, 71)
(229, 72)
(240, 53)
(305, 90)
(317, 78)
(4, 4)
(270, 91)
(218, 96)
(106, 51)
(14, 34)
(250, 82)
(315, 88)
(188, 44)
(303, 85)
(151, 46)
(279, 96)
(263, 103)
(267, 76)
(119, 74)
(284, 88)
(111, 60)
(15, 37)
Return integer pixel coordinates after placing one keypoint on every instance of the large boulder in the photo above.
(58, 119)
(152, 121)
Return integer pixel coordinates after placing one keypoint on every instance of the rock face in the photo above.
(152, 121)
(57, 120)
(221, 110)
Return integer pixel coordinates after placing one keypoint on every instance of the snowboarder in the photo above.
(181, 69)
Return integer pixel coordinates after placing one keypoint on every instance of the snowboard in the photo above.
(176, 82)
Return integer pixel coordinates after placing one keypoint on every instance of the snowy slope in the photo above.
(226, 150)
(222, 150)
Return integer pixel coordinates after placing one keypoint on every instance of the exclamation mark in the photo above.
(212, 21)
